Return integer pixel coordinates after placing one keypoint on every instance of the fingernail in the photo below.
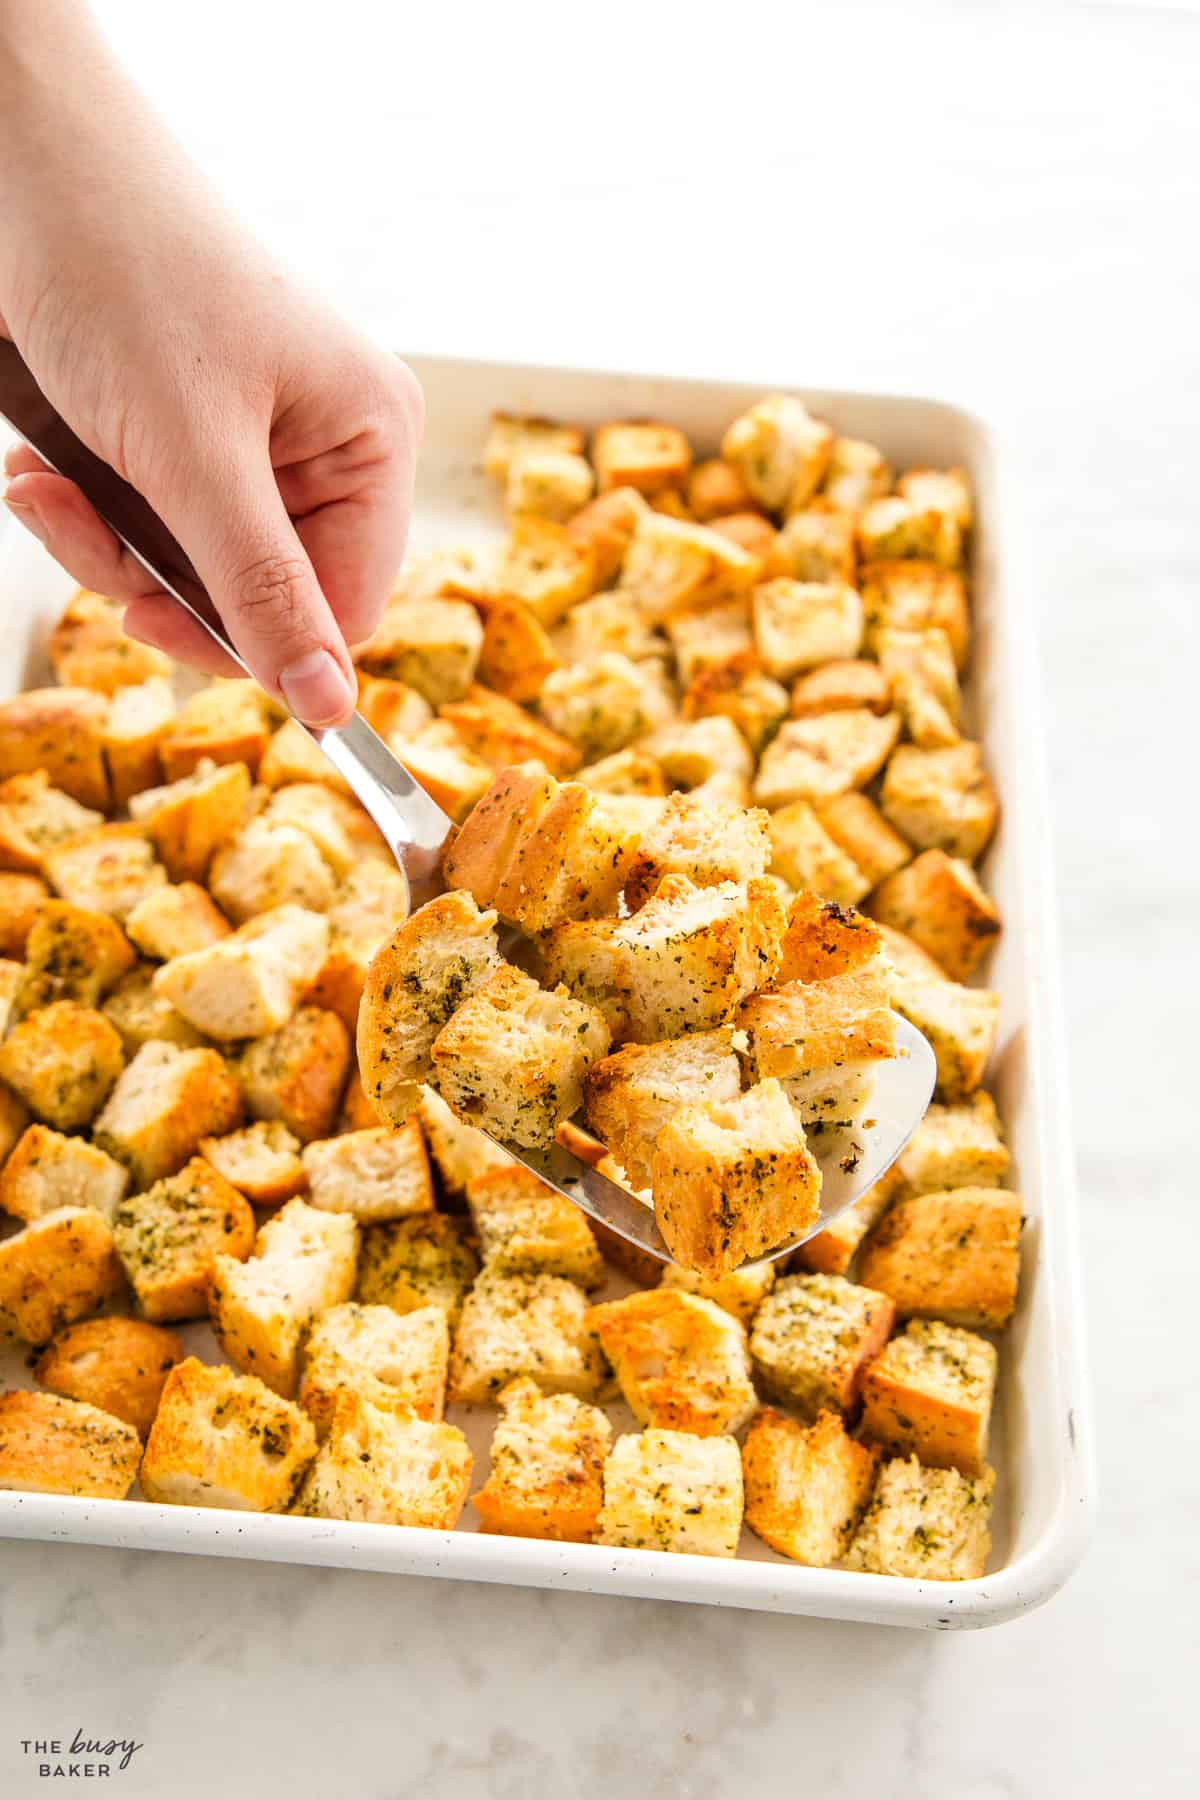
(316, 690)
(26, 516)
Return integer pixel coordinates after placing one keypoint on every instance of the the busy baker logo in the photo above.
(81, 1757)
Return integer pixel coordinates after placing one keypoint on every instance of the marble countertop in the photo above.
(989, 203)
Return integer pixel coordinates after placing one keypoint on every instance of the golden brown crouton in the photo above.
(385, 1466)
(63, 1061)
(610, 623)
(61, 1267)
(391, 708)
(51, 1445)
(36, 818)
(798, 624)
(939, 903)
(383, 1356)
(294, 755)
(631, 1095)
(955, 1146)
(20, 898)
(821, 1039)
(297, 1074)
(534, 1325)
(374, 1175)
(226, 722)
(681, 1361)
(861, 832)
(627, 772)
(423, 1261)
(549, 484)
(459, 1152)
(141, 1016)
(927, 1524)
(830, 1252)
(525, 1227)
(119, 1365)
(108, 870)
(59, 730)
(916, 596)
(430, 643)
(88, 647)
(304, 1261)
(675, 565)
(163, 1104)
(266, 864)
(812, 1337)
(691, 751)
(248, 984)
(170, 1237)
(338, 826)
(175, 920)
(929, 1393)
(221, 1439)
(780, 451)
(737, 688)
(806, 856)
(189, 819)
(816, 544)
(941, 799)
(812, 759)
(824, 939)
(857, 472)
(500, 732)
(546, 566)
(645, 455)
(512, 435)
(919, 667)
(806, 1486)
(602, 705)
(71, 954)
(952, 1255)
(750, 531)
(370, 902)
(47, 1170)
(604, 529)
(897, 527)
(546, 1478)
(741, 1292)
(708, 844)
(839, 685)
(261, 1160)
(137, 718)
(438, 761)
(944, 491)
(672, 1490)
(516, 655)
(715, 487)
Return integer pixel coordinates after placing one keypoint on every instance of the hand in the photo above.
(277, 444)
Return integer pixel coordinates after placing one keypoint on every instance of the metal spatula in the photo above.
(416, 830)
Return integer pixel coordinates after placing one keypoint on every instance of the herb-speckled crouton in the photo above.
(681, 1361)
(63, 1060)
(545, 566)
(646, 455)
(535, 1325)
(175, 920)
(604, 528)
(512, 435)
(840, 685)
(427, 1260)
(52, 1445)
(737, 688)
(861, 832)
(21, 896)
(119, 1365)
(61, 1267)
(805, 855)
(261, 1160)
(806, 1486)
(71, 954)
(628, 772)
(822, 1040)
(691, 752)
(741, 1292)
(163, 1104)
(812, 1336)
(431, 643)
(812, 759)
(89, 648)
(137, 718)
(225, 722)
(602, 705)
(817, 543)
(517, 653)
(927, 1524)
(267, 863)
(341, 830)
(47, 1170)
(798, 624)
(369, 904)
(916, 596)
(955, 1146)
(705, 642)
(304, 1261)
(707, 843)
(221, 1439)
(631, 1095)
(673, 566)
(170, 1237)
(857, 472)
(35, 818)
(671, 1490)
(458, 1151)
(951, 1255)
(714, 487)
(823, 939)
(386, 1466)
(938, 901)
(547, 1473)
(381, 1355)
(550, 484)
(297, 1074)
(143, 1017)
(188, 820)
(959, 1022)
(525, 1227)
(248, 984)
(107, 870)
(919, 667)
(58, 730)
(941, 799)
(293, 755)
(375, 1175)
(929, 1393)
(780, 451)
(502, 733)
(904, 525)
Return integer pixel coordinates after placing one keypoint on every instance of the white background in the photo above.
(994, 204)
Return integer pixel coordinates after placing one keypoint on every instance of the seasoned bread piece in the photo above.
(642, 454)
(943, 491)
(681, 1361)
(513, 1057)
(896, 526)
(108, 870)
(304, 1261)
(675, 565)
(604, 528)
(624, 773)
(919, 666)
(502, 733)
(297, 1073)
(941, 799)
(370, 902)
(261, 1160)
(838, 686)
(812, 1337)
(780, 451)
(939, 902)
(861, 832)
(733, 1179)
(546, 1478)
(46, 1171)
(292, 755)
(930, 1393)
(715, 487)
(805, 856)
(736, 687)
(137, 718)
(119, 1365)
(927, 1524)
(671, 1490)
(816, 544)
(61, 1267)
(248, 984)
(385, 1466)
(601, 705)
(691, 751)
(517, 654)
(952, 1255)
(534, 1325)
(525, 1227)
(338, 826)
(824, 939)
(225, 722)
(36, 818)
(916, 596)
(611, 622)
(71, 954)
(750, 531)
(812, 759)
(164, 1103)
(383, 1356)
(141, 1016)
(546, 566)
(52, 1445)
(174, 921)
(512, 435)
(806, 1486)
(549, 484)
(267, 864)
(458, 1151)
(188, 820)
(821, 1039)
(706, 640)
(741, 1292)
(58, 730)
(221, 1439)
(88, 647)
(857, 472)
(798, 624)
(830, 1252)
(631, 1095)
(955, 1146)
(436, 757)
(20, 898)
(707, 843)
(63, 1061)
(170, 1237)
(960, 1022)
(374, 1175)
(427, 1260)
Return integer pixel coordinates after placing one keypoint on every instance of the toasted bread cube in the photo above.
(710, 640)
(805, 856)
(708, 844)
(806, 1486)
(63, 1061)
(88, 647)
(611, 623)
(248, 984)
(108, 870)
(36, 818)
(374, 1175)
(525, 1227)
(941, 799)
(822, 1040)
(500, 732)
(188, 820)
(938, 901)
(458, 1151)
(861, 832)
(929, 1393)
(956, 1146)
(830, 1252)
(382, 1465)
(358, 1114)
(304, 1261)
(675, 565)
(226, 722)
(741, 1292)
(427, 1260)
(857, 472)
(369, 904)
(60, 731)
(297, 1074)
(118, 1365)
(261, 1160)
(737, 689)
(142, 1017)
(840, 685)
(916, 596)
(952, 1255)
(137, 718)
(798, 624)
(816, 544)
(71, 954)
(174, 920)
(733, 1179)
(431, 643)
(293, 755)
(960, 1022)
(624, 773)
(584, 957)
(516, 655)
(681, 1361)
(383, 1356)
(648, 456)
(944, 491)
(812, 1337)
(812, 759)
(61, 1267)
(546, 1478)
(47, 1170)
(632, 1094)
(53, 1445)
(391, 708)
(338, 826)
(824, 939)
(163, 1104)
(715, 488)
(780, 451)
(268, 864)
(453, 776)
(170, 1237)
(534, 1325)
(21, 897)
(540, 852)
(691, 751)
(919, 667)
(672, 1490)
(545, 566)
(226, 1440)
(549, 484)
(911, 525)
(512, 436)
(604, 528)
(750, 531)
(927, 1524)
(601, 706)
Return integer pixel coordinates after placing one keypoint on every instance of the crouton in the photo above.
(59, 730)
(21, 897)
(423, 1261)
(857, 472)
(604, 529)
(715, 487)
(548, 484)
(36, 818)
(691, 751)
(516, 655)
(624, 773)
(812, 1337)
(838, 686)
(294, 755)
(647, 456)
(261, 1160)
(929, 1393)
(546, 1478)
(501, 733)
(71, 954)
(170, 1237)
(749, 531)
(525, 1227)
(805, 856)
(188, 820)
(900, 526)
(708, 844)
(297, 1073)
(226, 722)
(916, 596)
(118, 1365)
(385, 1466)
(137, 718)
(174, 920)
(368, 906)
(944, 491)
(812, 759)
(339, 827)
(141, 1016)
(817, 544)
(861, 832)
(304, 1261)
(824, 939)
(822, 1040)
(601, 706)
(708, 640)
(248, 984)
(438, 761)
(268, 864)
(47, 1170)
(938, 901)
(534, 1325)
(458, 1151)
(383, 1356)
(374, 1175)
(59, 1268)
(108, 870)
(741, 1292)
(672, 1490)
(952, 1255)
(941, 799)
(391, 708)
(830, 1252)
(927, 1524)
(780, 451)
(432, 644)
(681, 1361)
(358, 1114)
(956, 1146)
(799, 624)
(919, 668)
(806, 1486)
(63, 1061)
(88, 647)
(631, 1095)
(545, 566)
(738, 689)
(226, 1440)
(675, 565)
(511, 436)
(959, 1022)
(52, 1445)
(162, 1105)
